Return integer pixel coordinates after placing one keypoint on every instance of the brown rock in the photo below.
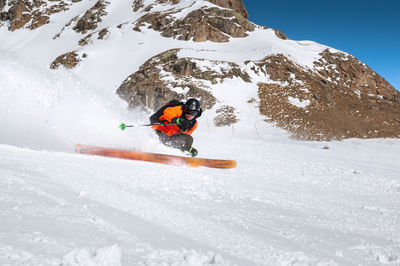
(91, 18)
(174, 2)
(281, 35)
(19, 15)
(213, 24)
(236, 5)
(137, 4)
(85, 40)
(39, 20)
(338, 106)
(68, 60)
(2, 4)
(37, 3)
(37, 12)
(102, 34)
(354, 75)
(334, 106)
(146, 87)
(4, 16)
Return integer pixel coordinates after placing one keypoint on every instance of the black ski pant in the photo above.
(180, 141)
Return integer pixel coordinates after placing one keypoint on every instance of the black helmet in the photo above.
(191, 107)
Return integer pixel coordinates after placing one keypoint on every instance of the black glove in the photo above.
(193, 151)
(182, 123)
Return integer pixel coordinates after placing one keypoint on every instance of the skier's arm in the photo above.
(170, 113)
(154, 119)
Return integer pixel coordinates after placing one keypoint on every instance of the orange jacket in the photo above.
(171, 130)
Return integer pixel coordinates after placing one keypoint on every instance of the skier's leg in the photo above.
(164, 138)
(182, 142)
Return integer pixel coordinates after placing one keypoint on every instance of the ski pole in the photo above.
(123, 126)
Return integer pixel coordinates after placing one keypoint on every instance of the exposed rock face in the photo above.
(204, 24)
(36, 13)
(2, 4)
(237, 5)
(174, 2)
(347, 72)
(91, 18)
(30, 14)
(201, 25)
(148, 86)
(339, 98)
(101, 35)
(342, 99)
(19, 15)
(281, 35)
(68, 60)
(137, 4)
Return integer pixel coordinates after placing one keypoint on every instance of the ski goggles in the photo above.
(190, 112)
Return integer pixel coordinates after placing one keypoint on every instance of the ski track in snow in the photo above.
(289, 203)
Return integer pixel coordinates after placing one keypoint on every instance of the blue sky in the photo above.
(369, 29)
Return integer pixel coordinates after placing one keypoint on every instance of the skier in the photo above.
(183, 116)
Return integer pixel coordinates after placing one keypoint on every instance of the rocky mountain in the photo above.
(150, 51)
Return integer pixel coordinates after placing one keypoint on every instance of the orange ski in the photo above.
(154, 157)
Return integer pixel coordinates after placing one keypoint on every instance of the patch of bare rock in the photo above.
(342, 98)
(148, 86)
(29, 14)
(339, 98)
(204, 24)
(68, 60)
(91, 18)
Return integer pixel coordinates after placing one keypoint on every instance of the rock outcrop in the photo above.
(30, 14)
(335, 97)
(18, 15)
(36, 13)
(204, 24)
(68, 60)
(151, 86)
(2, 4)
(341, 98)
(91, 18)
(236, 5)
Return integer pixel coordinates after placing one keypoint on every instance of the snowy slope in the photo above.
(287, 203)
(125, 50)
(110, 61)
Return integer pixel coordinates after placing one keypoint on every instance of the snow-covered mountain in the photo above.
(65, 65)
(288, 202)
(151, 51)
